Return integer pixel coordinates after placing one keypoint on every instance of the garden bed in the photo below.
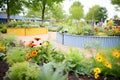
(27, 31)
(82, 41)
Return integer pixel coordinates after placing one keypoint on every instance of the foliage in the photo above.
(108, 62)
(74, 61)
(52, 71)
(7, 41)
(115, 2)
(2, 48)
(43, 4)
(97, 13)
(23, 71)
(2, 55)
(76, 11)
(11, 9)
(88, 30)
(44, 54)
(22, 24)
(16, 54)
(3, 28)
(58, 12)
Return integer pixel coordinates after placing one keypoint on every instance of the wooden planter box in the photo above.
(82, 41)
(27, 31)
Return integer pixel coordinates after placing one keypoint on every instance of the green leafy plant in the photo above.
(22, 24)
(8, 40)
(2, 55)
(52, 71)
(16, 54)
(44, 54)
(108, 61)
(23, 71)
(74, 61)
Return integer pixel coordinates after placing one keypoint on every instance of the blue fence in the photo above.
(93, 41)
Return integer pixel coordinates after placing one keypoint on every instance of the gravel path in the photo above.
(51, 36)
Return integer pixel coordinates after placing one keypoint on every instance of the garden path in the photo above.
(51, 36)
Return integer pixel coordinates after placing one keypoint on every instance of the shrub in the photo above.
(16, 54)
(108, 62)
(44, 54)
(50, 72)
(74, 61)
(23, 71)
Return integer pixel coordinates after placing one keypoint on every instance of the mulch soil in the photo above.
(3, 68)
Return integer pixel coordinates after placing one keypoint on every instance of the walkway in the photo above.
(51, 36)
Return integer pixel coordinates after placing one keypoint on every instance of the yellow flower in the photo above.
(96, 76)
(108, 65)
(116, 53)
(110, 23)
(97, 70)
(99, 58)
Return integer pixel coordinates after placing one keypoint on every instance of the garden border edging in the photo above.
(81, 41)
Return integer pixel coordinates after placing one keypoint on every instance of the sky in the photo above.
(89, 3)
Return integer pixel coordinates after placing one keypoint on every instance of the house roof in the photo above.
(4, 16)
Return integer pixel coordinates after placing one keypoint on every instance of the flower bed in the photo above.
(81, 41)
(27, 31)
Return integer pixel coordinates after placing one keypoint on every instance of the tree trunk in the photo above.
(43, 11)
(8, 14)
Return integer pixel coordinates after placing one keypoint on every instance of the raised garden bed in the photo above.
(81, 41)
(27, 31)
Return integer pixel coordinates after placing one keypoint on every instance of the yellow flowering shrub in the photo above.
(107, 63)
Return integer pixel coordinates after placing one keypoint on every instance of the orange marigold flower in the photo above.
(37, 39)
(34, 53)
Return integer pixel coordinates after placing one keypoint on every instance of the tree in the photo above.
(76, 11)
(43, 4)
(116, 2)
(97, 13)
(13, 7)
(58, 12)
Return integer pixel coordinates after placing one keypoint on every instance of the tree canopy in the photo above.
(11, 7)
(115, 2)
(43, 5)
(76, 11)
(97, 13)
